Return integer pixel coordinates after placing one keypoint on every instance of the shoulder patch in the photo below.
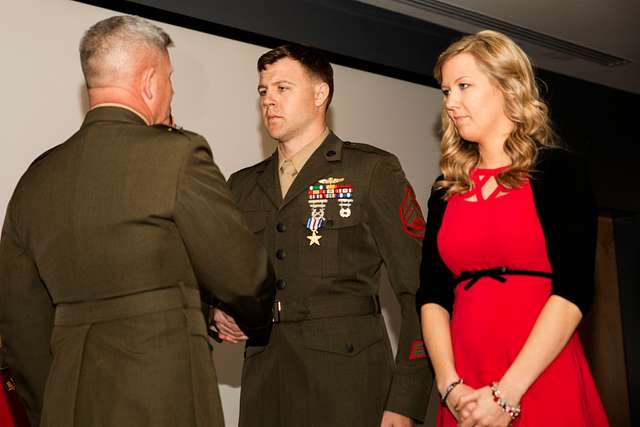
(411, 215)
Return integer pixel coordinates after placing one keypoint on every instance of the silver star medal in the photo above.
(317, 203)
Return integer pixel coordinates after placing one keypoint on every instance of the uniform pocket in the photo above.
(344, 336)
(340, 243)
(336, 222)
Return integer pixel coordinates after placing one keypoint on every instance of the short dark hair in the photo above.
(313, 60)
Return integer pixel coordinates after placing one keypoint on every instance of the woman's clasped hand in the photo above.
(478, 408)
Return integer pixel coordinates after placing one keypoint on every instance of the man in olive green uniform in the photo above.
(117, 228)
(330, 214)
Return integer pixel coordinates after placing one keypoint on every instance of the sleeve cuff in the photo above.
(410, 392)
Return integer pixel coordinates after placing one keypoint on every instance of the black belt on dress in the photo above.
(498, 274)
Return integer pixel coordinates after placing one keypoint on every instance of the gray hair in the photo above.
(110, 40)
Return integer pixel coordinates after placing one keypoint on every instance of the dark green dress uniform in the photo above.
(118, 227)
(329, 361)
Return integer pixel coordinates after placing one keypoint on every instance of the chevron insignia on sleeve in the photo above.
(411, 215)
(417, 351)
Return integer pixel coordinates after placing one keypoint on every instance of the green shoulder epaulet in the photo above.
(176, 130)
(364, 148)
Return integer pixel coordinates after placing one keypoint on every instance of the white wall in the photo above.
(215, 79)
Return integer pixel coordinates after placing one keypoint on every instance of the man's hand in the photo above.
(228, 329)
(391, 419)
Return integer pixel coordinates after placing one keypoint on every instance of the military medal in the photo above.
(345, 199)
(342, 192)
(319, 195)
(316, 220)
(314, 239)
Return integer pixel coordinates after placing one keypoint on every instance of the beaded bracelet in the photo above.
(450, 388)
(512, 410)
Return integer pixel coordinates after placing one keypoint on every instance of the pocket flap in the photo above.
(334, 337)
(333, 220)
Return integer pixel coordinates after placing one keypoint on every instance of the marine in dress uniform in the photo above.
(330, 217)
(107, 239)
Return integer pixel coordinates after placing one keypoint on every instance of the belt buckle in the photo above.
(276, 309)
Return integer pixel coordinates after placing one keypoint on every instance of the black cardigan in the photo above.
(568, 216)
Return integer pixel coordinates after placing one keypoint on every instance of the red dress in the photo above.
(492, 320)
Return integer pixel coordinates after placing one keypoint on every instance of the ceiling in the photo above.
(553, 32)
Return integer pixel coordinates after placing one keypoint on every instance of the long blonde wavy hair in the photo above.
(509, 68)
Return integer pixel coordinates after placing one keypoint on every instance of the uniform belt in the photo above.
(126, 306)
(321, 308)
(496, 274)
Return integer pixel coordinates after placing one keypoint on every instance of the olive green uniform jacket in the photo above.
(105, 242)
(329, 361)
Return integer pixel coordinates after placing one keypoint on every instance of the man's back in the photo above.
(98, 211)
(121, 224)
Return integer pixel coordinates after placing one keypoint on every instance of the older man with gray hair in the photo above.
(106, 241)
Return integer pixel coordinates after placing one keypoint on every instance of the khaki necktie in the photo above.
(288, 173)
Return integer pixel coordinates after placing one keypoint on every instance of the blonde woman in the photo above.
(508, 257)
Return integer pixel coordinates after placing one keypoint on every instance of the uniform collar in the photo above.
(318, 166)
(112, 113)
(301, 157)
